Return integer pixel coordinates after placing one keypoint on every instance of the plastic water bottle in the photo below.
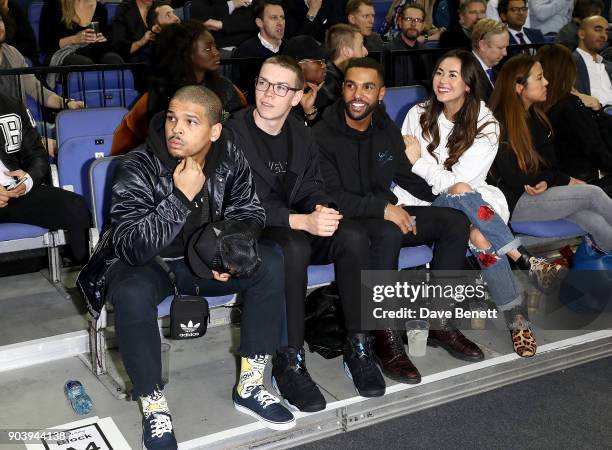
(79, 400)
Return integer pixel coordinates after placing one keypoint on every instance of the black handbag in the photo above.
(324, 330)
(189, 314)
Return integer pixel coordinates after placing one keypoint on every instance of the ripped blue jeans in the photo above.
(493, 261)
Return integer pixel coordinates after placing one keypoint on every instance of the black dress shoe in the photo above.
(444, 334)
(392, 358)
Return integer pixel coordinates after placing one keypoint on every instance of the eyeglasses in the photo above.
(516, 9)
(413, 19)
(262, 85)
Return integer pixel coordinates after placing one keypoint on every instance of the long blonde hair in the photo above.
(69, 14)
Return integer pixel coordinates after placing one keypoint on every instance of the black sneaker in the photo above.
(292, 380)
(265, 407)
(360, 366)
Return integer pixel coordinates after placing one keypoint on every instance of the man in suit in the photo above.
(514, 14)
(458, 34)
(593, 74)
(489, 43)
(270, 20)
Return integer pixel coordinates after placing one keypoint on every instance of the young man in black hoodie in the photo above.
(189, 173)
(362, 154)
(305, 222)
(24, 198)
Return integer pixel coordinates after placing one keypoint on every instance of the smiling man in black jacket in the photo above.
(189, 173)
(305, 222)
(362, 154)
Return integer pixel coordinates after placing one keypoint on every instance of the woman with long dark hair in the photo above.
(451, 141)
(525, 166)
(583, 132)
(185, 54)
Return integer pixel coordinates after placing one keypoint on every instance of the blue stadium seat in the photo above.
(548, 228)
(34, 12)
(187, 11)
(111, 9)
(608, 110)
(432, 44)
(74, 158)
(180, 13)
(409, 257)
(398, 100)
(87, 122)
(108, 98)
(97, 80)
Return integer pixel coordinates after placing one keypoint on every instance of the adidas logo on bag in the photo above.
(189, 329)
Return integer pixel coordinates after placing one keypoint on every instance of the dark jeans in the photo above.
(348, 249)
(76, 59)
(56, 209)
(135, 293)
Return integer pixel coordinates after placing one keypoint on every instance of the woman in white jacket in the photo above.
(451, 141)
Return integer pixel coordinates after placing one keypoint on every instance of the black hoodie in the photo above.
(358, 167)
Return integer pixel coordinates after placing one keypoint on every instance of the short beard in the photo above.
(361, 116)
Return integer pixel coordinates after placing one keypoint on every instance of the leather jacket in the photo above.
(147, 212)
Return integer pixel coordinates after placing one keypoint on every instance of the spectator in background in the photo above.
(583, 133)
(360, 13)
(270, 20)
(568, 35)
(493, 12)
(310, 56)
(67, 36)
(593, 74)
(19, 33)
(346, 42)
(390, 27)
(409, 70)
(161, 14)
(23, 158)
(311, 17)
(230, 22)
(514, 14)
(17, 88)
(130, 34)
(489, 45)
(185, 54)
(459, 34)
(526, 164)
(549, 16)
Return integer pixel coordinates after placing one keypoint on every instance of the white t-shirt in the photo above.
(472, 167)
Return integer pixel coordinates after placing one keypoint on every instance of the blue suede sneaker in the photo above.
(265, 407)
(157, 432)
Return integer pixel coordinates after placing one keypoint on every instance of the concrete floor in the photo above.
(202, 371)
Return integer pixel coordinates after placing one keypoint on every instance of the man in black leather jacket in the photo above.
(188, 174)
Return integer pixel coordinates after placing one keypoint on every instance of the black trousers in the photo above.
(135, 293)
(53, 208)
(363, 244)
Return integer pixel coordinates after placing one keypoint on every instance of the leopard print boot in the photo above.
(523, 338)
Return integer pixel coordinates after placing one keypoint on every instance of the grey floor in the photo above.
(203, 371)
(562, 410)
